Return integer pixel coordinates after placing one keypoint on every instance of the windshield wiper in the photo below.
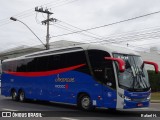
(140, 78)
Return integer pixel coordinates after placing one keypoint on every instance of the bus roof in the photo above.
(112, 48)
(105, 47)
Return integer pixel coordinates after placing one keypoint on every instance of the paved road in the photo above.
(66, 112)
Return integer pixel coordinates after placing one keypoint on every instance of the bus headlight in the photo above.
(127, 98)
(149, 97)
(124, 97)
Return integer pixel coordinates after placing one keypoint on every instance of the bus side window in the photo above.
(21, 66)
(31, 65)
(42, 63)
(10, 66)
(57, 62)
(102, 69)
(98, 63)
(77, 58)
(4, 67)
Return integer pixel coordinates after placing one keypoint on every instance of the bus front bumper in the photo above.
(133, 104)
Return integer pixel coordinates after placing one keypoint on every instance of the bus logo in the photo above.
(59, 79)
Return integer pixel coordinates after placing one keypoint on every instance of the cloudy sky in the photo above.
(140, 33)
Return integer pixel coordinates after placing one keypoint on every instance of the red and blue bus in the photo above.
(89, 76)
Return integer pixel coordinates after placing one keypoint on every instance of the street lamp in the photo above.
(14, 19)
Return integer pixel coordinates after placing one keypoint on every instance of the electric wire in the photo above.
(29, 12)
(110, 24)
(106, 25)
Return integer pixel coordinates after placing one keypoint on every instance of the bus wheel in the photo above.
(21, 96)
(14, 95)
(85, 102)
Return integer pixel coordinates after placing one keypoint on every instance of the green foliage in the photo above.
(155, 96)
(154, 80)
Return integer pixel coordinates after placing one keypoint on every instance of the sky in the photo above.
(139, 34)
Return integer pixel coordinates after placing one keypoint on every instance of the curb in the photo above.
(155, 101)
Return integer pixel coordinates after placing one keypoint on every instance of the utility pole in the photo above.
(46, 22)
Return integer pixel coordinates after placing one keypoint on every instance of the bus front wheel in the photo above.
(85, 102)
(21, 96)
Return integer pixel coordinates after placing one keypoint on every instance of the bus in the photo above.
(88, 75)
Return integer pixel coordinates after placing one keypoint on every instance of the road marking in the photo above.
(5, 109)
(65, 118)
(143, 108)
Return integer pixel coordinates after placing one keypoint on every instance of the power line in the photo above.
(69, 29)
(109, 24)
(135, 35)
(29, 12)
(65, 3)
(131, 37)
(114, 23)
(139, 36)
(81, 29)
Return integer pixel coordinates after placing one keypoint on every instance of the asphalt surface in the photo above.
(68, 112)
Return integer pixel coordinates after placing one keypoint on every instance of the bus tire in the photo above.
(84, 102)
(14, 95)
(21, 96)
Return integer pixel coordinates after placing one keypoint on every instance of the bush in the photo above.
(154, 80)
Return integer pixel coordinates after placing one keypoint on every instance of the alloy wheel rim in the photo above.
(85, 102)
(22, 96)
(14, 95)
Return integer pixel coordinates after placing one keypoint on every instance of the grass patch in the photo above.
(155, 96)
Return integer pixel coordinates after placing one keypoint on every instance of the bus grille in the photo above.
(139, 99)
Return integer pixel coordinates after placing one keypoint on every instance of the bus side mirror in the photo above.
(154, 64)
(120, 62)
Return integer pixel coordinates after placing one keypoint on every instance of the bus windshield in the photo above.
(135, 77)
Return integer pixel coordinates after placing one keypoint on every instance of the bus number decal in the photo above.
(62, 86)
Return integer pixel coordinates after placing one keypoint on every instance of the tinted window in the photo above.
(77, 58)
(47, 63)
(5, 67)
(9, 66)
(21, 66)
(102, 69)
(42, 63)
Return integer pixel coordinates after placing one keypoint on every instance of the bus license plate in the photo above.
(139, 104)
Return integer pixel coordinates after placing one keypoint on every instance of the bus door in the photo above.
(109, 88)
(104, 75)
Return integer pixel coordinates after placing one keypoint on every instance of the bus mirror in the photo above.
(120, 62)
(154, 64)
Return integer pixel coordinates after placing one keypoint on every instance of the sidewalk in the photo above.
(155, 101)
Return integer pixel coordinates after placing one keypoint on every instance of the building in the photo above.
(22, 50)
(152, 55)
